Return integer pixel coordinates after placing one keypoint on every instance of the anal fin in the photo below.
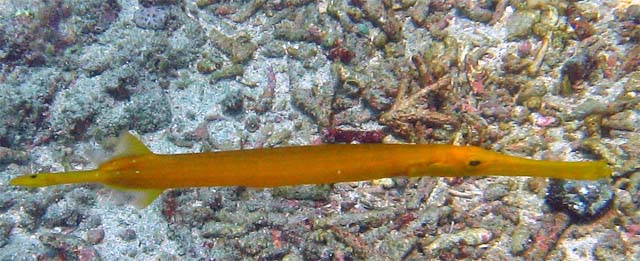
(139, 198)
(143, 198)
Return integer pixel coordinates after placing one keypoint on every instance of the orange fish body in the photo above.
(136, 168)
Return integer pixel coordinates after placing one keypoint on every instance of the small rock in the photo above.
(582, 200)
(319, 192)
(612, 249)
(496, 191)
(6, 201)
(242, 49)
(588, 10)
(292, 257)
(447, 242)
(537, 185)
(633, 84)
(252, 123)
(278, 139)
(227, 72)
(68, 246)
(346, 206)
(149, 3)
(521, 239)
(93, 221)
(589, 106)
(533, 103)
(396, 246)
(312, 104)
(431, 217)
(164, 256)
(149, 112)
(577, 68)
(217, 229)
(520, 24)
(625, 202)
(207, 65)
(543, 120)
(593, 122)
(8, 155)
(6, 225)
(273, 49)
(628, 120)
(151, 18)
(95, 236)
(386, 183)
(633, 13)
(233, 102)
(128, 234)
(62, 214)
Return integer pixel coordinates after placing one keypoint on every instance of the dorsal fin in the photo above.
(129, 145)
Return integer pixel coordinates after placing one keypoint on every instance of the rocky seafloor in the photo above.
(556, 80)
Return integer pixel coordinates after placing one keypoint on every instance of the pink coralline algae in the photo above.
(336, 135)
(544, 121)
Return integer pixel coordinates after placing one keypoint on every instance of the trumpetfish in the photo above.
(137, 169)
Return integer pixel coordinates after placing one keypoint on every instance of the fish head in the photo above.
(475, 161)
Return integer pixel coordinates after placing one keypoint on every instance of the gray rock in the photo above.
(582, 200)
(154, 18)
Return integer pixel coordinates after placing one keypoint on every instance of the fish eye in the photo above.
(33, 176)
(474, 163)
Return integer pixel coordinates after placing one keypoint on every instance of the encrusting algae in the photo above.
(136, 169)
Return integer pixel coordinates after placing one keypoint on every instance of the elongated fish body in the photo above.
(324, 164)
(136, 168)
(268, 167)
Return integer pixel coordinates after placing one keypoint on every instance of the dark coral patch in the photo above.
(584, 201)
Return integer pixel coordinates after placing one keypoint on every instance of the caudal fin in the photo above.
(49, 179)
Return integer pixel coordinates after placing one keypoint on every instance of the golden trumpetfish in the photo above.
(135, 168)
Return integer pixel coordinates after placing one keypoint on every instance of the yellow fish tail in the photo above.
(599, 170)
(48, 179)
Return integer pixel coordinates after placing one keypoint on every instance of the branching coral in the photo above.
(409, 108)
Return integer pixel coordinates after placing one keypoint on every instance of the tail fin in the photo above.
(49, 179)
(128, 146)
(602, 170)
